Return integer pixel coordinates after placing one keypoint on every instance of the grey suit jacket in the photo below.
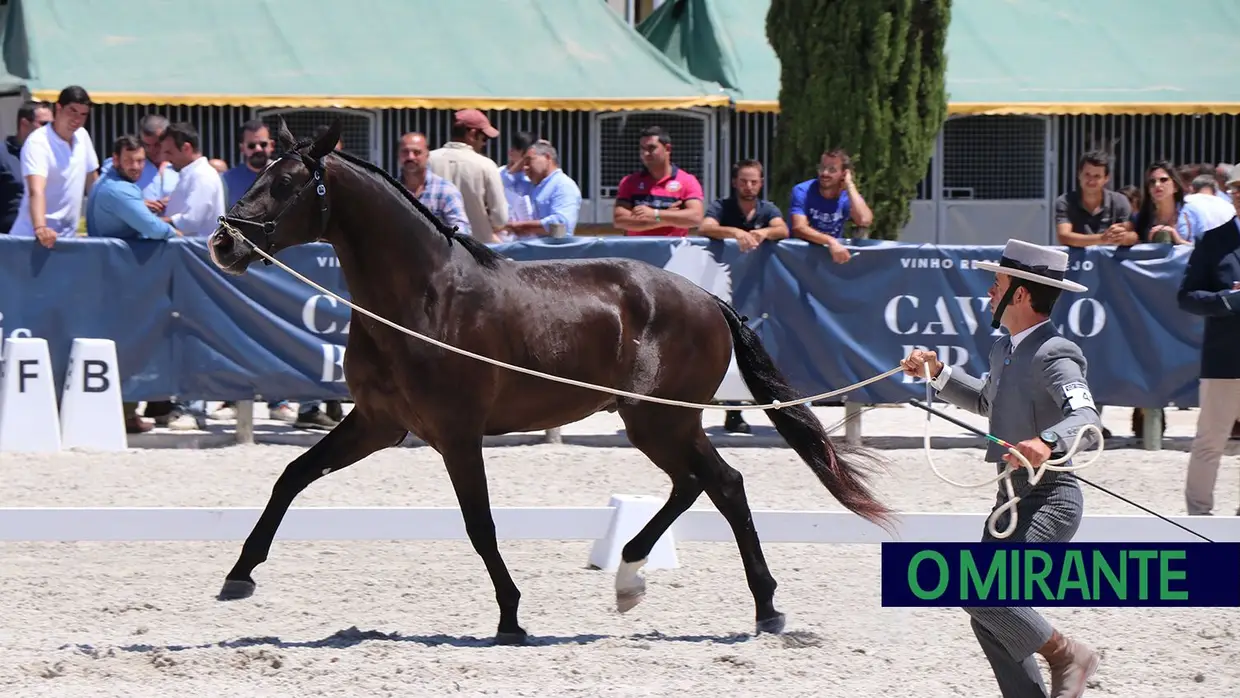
(1040, 387)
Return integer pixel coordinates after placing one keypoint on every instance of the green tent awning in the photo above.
(489, 54)
(1003, 56)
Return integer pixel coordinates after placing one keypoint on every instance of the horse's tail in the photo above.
(843, 469)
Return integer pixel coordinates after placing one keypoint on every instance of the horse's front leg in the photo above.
(350, 441)
(468, 474)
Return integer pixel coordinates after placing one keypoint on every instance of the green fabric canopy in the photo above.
(1003, 56)
(488, 54)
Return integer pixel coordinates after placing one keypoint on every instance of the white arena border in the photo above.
(610, 526)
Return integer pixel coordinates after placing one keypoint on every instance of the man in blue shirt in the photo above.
(256, 150)
(156, 181)
(820, 207)
(555, 198)
(115, 208)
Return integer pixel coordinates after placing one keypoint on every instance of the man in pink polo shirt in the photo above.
(661, 199)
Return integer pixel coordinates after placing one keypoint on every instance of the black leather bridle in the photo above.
(317, 181)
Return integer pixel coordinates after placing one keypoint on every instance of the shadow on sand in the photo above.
(344, 639)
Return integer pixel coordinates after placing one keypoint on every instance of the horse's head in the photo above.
(286, 206)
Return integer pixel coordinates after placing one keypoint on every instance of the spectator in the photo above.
(1161, 199)
(59, 166)
(1222, 175)
(517, 185)
(660, 199)
(198, 200)
(461, 162)
(1209, 289)
(116, 208)
(555, 197)
(1232, 187)
(30, 116)
(1092, 214)
(1203, 184)
(821, 207)
(436, 193)
(743, 216)
(256, 149)
(1134, 196)
(158, 180)
(750, 221)
(221, 167)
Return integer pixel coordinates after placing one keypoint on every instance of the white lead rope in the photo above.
(648, 398)
(1035, 474)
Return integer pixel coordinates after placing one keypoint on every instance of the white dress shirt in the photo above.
(198, 201)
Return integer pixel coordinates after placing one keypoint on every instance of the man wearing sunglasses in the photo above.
(256, 150)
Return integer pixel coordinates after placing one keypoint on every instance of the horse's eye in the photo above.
(286, 180)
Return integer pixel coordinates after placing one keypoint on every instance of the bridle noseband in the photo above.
(268, 228)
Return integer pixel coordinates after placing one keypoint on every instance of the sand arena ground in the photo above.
(344, 619)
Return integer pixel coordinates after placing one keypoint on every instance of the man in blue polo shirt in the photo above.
(820, 207)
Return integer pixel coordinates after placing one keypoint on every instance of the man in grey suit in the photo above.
(1036, 397)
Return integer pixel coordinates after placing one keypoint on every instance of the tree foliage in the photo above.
(867, 76)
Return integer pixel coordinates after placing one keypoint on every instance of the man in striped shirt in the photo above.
(438, 194)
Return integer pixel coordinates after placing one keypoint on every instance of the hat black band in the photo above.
(1040, 270)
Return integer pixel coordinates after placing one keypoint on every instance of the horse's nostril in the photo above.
(222, 243)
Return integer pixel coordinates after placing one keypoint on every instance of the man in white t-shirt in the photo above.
(59, 166)
(196, 204)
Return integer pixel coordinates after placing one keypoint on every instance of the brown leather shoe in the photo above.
(1071, 664)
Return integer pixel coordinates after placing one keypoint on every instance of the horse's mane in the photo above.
(481, 253)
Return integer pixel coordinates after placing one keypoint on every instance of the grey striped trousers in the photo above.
(1010, 636)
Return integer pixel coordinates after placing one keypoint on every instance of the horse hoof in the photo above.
(627, 600)
(236, 589)
(773, 625)
(519, 637)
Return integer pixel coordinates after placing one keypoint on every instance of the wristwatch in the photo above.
(1051, 439)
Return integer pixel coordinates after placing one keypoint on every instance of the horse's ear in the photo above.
(285, 137)
(326, 142)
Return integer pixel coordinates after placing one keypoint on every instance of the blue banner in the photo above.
(1061, 574)
(184, 329)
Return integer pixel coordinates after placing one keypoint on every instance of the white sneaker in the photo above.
(225, 413)
(183, 422)
(284, 413)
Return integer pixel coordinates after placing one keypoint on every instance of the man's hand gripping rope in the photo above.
(1015, 460)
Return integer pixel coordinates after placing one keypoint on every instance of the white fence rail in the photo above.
(610, 525)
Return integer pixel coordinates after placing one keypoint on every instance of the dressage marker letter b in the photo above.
(95, 376)
(91, 415)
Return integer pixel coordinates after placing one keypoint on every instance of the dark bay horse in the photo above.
(617, 323)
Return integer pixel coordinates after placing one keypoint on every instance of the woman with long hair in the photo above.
(1161, 199)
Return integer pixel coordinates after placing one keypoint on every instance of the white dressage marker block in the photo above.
(631, 513)
(91, 414)
(28, 418)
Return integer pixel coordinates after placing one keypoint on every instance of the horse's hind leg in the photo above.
(674, 440)
(349, 442)
(630, 585)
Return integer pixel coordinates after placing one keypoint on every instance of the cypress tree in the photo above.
(866, 76)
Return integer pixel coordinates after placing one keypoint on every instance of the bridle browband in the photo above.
(1016, 282)
(316, 179)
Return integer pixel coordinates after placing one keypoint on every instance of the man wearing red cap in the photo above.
(461, 162)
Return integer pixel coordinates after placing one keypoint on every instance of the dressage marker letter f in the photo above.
(22, 375)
